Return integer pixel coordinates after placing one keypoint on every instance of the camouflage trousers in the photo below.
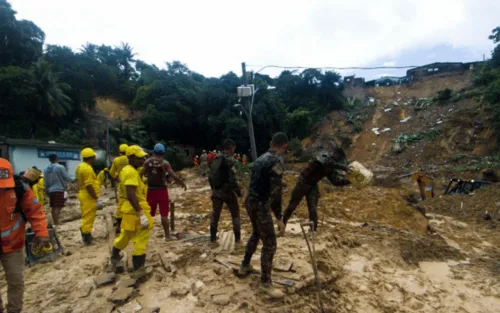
(219, 197)
(311, 192)
(263, 229)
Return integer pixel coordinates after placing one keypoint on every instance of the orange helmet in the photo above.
(6, 174)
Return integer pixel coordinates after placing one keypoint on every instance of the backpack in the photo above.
(217, 176)
(19, 189)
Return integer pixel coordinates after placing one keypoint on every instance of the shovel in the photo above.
(312, 253)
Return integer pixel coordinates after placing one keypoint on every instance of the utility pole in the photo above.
(249, 108)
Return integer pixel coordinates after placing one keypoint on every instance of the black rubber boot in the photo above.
(87, 238)
(138, 261)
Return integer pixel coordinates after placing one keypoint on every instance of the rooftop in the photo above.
(37, 143)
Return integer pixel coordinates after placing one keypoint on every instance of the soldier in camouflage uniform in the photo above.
(264, 193)
(325, 164)
(225, 188)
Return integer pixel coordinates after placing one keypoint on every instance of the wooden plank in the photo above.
(111, 231)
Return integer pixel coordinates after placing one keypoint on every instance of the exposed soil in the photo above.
(374, 251)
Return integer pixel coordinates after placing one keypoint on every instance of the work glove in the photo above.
(281, 227)
(99, 205)
(144, 220)
(41, 246)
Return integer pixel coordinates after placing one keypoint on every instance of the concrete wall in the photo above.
(24, 157)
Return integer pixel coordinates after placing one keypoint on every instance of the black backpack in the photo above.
(20, 188)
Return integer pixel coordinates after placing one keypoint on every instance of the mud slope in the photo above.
(456, 128)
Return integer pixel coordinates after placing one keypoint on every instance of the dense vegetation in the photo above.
(489, 80)
(47, 92)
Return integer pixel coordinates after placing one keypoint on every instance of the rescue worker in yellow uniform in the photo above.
(103, 177)
(39, 190)
(136, 222)
(118, 164)
(88, 194)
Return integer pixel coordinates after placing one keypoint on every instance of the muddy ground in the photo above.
(375, 254)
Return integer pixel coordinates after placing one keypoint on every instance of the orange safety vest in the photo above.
(12, 225)
(195, 161)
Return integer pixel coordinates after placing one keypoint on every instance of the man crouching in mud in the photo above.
(325, 164)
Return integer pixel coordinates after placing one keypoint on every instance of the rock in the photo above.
(363, 288)
(219, 271)
(487, 216)
(388, 287)
(127, 282)
(84, 290)
(348, 307)
(179, 292)
(158, 277)
(131, 307)
(105, 279)
(121, 295)
(151, 310)
(196, 287)
(99, 294)
(203, 256)
(57, 266)
(222, 299)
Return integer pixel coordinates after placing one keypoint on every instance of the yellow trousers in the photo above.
(131, 230)
(88, 207)
(118, 213)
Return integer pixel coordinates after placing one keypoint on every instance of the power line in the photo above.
(332, 67)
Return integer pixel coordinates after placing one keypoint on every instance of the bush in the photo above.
(295, 147)
(443, 95)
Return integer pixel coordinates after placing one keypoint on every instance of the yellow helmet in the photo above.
(88, 153)
(123, 148)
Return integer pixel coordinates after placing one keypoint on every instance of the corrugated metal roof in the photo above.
(37, 143)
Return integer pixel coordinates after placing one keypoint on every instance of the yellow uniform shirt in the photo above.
(118, 164)
(129, 176)
(85, 176)
(39, 190)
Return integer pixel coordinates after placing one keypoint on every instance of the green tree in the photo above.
(21, 41)
(51, 91)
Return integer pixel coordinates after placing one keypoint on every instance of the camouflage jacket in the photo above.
(222, 175)
(323, 165)
(266, 181)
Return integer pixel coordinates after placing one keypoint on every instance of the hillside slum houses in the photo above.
(438, 69)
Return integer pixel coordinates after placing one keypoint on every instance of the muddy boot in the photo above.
(244, 271)
(118, 226)
(269, 290)
(87, 238)
(115, 261)
(138, 261)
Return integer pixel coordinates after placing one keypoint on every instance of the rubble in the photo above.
(131, 307)
(196, 287)
(222, 299)
(105, 279)
(121, 295)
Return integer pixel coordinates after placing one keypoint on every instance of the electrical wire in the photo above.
(332, 67)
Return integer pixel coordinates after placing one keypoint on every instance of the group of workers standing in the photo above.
(265, 195)
(141, 185)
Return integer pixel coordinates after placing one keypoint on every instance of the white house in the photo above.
(24, 154)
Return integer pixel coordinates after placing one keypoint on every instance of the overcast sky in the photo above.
(213, 37)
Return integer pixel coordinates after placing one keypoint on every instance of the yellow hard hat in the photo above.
(123, 147)
(135, 150)
(88, 153)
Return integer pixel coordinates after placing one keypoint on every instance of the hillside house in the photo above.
(23, 154)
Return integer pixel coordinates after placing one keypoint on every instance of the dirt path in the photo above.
(374, 255)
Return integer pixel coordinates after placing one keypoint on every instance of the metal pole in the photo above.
(248, 108)
(108, 160)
